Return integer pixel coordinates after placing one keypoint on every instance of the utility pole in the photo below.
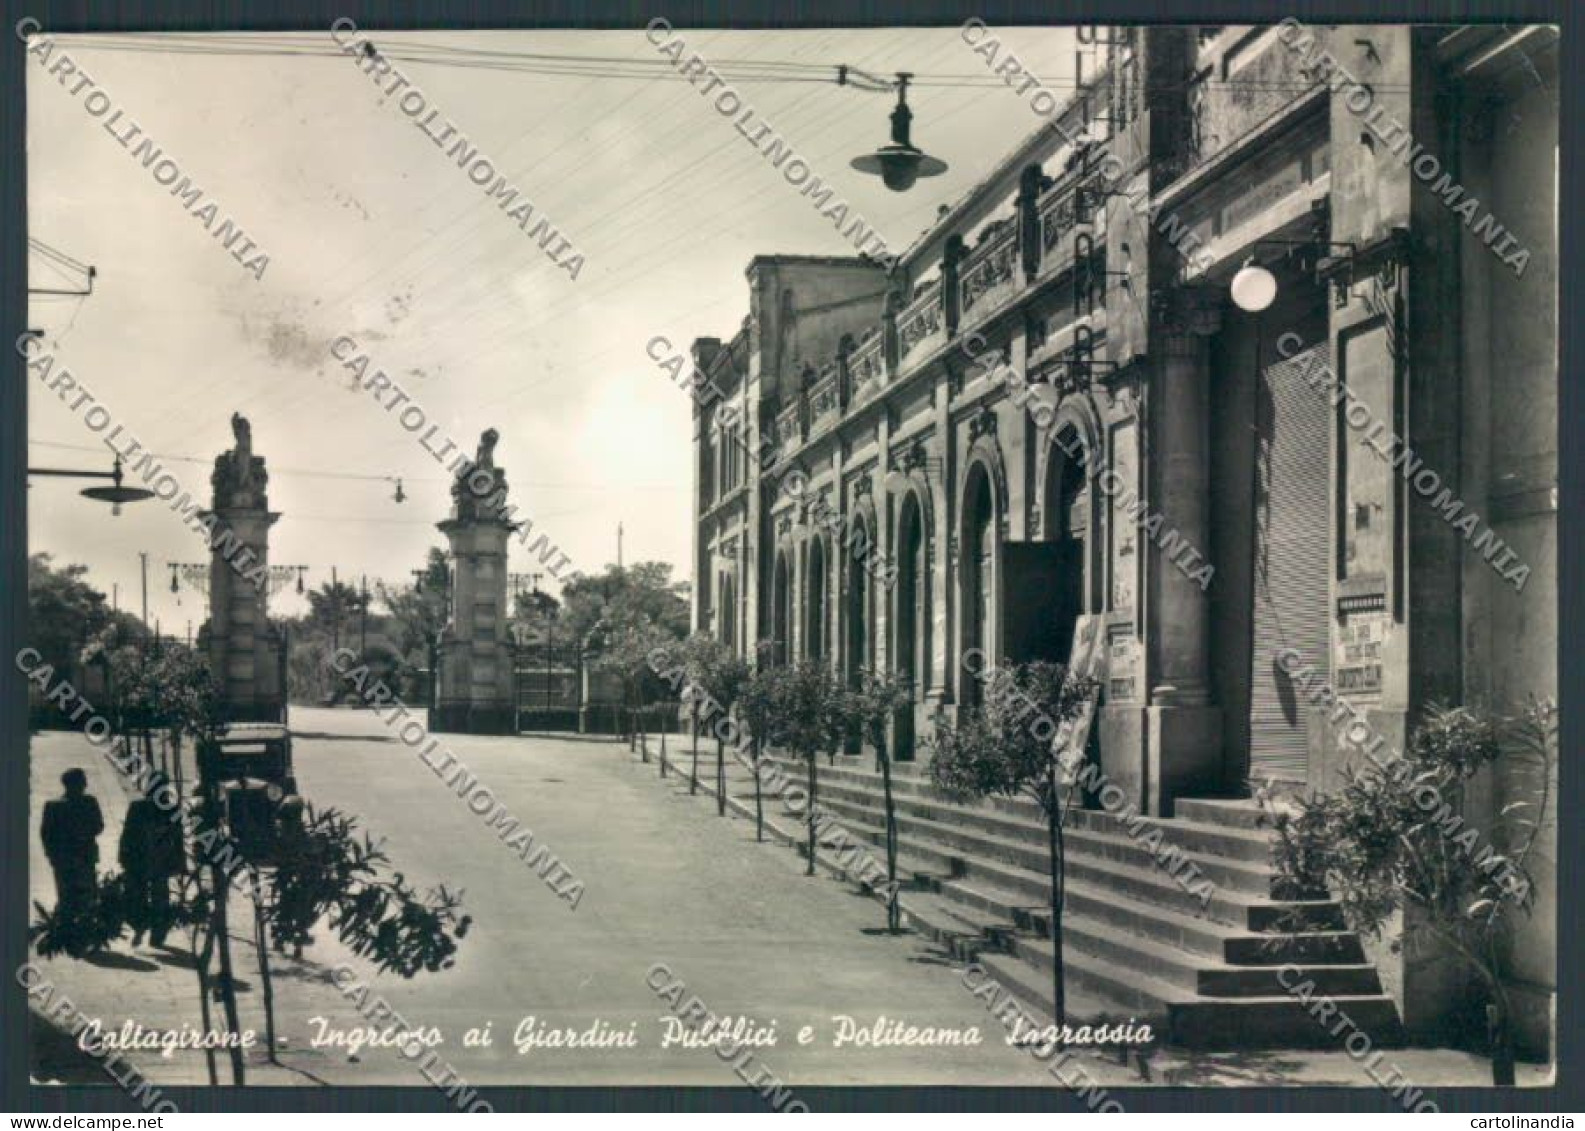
(363, 624)
(143, 562)
(115, 596)
(619, 545)
(335, 612)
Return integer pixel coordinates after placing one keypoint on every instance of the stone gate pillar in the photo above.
(244, 650)
(476, 693)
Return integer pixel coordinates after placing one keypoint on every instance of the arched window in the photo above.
(1068, 519)
(911, 616)
(726, 627)
(707, 470)
(913, 596)
(781, 611)
(858, 554)
(978, 576)
(815, 636)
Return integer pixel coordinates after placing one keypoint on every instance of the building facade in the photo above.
(1054, 411)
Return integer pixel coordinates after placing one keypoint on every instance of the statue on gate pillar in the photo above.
(239, 477)
(477, 692)
(245, 652)
(481, 489)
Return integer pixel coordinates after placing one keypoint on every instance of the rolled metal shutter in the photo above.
(1292, 544)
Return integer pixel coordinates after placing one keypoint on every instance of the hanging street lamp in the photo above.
(115, 494)
(901, 163)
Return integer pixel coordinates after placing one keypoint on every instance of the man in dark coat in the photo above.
(151, 853)
(70, 831)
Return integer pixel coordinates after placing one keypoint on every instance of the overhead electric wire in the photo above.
(543, 122)
(610, 67)
(595, 68)
(755, 207)
(61, 257)
(483, 219)
(320, 473)
(784, 117)
(524, 176)
(520, 176)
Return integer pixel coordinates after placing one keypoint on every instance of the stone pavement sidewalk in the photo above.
(1248, 1068)
(157, 987)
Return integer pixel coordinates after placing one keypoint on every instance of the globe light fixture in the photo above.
(901, 163)
(1253, 287)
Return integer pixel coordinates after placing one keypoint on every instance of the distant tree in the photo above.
(814, 718)
(335, 605)
(874, 705)
(760, 704)
(626, 653)
(717, 676)
(309, 676)
(418, 614)
(539, 614)
(625, 596)
(701, 653)
(65, 612)
(1386, 843)
(1008, 747)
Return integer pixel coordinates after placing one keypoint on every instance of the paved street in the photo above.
(666, 881)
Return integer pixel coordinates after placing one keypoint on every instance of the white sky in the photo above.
(374, 233)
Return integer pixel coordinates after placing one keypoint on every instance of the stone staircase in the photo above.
(1136, 942)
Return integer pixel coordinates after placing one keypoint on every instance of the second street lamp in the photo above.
(115, 494)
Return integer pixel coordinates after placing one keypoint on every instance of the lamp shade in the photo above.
(1253, 288)
(899, 166)
(896, 482)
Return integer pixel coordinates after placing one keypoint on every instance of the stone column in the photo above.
(244, 651)
(1184, 742)
(1183, 466)
(475, 648)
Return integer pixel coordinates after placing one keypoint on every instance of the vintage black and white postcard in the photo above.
(776, 558)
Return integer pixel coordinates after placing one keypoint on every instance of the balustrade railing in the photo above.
(867, 367)
(990, 267)
(825, 399)
(920, 320)
(789, 426)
